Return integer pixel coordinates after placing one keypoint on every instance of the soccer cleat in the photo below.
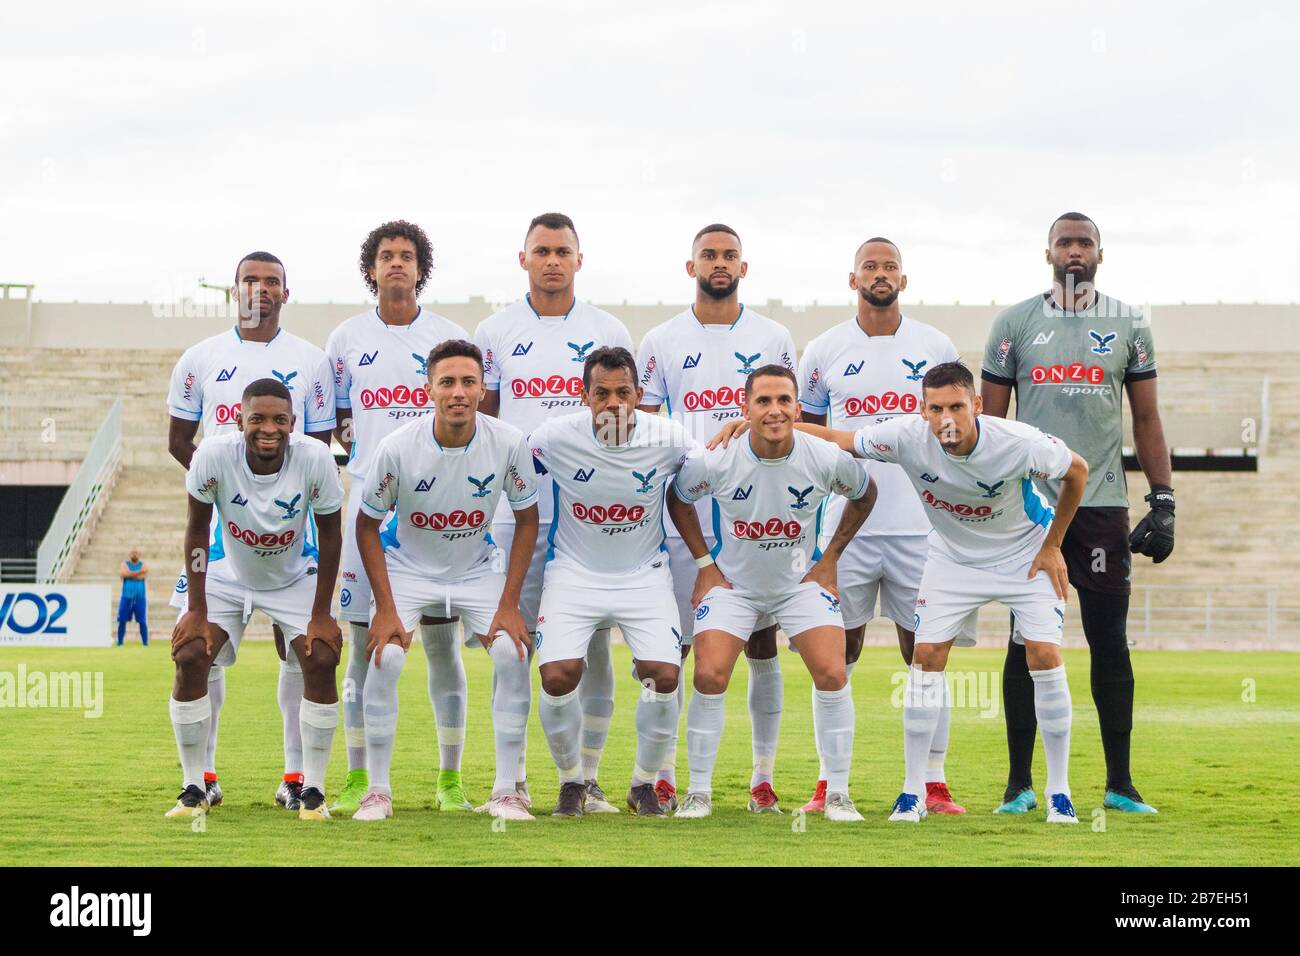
(762, 799)
(521, 788)
(451, 795)
(939, 800)
(1022, 802)
(1060, 809)
(1125, 804)
(354, 791)
(213, 790)
(817, 803)
(667, 795)
(376, 806)
(511, 806)
(907, 809)
(191, 803)
(289, 793)
(313, 805)
(694, 806)
(644, 802)
(840, 809)
(573, 795)
(596, 801)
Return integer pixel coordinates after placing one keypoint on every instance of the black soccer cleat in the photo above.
(644, 801)
(572, 797)
(214, 793)
(289, 794)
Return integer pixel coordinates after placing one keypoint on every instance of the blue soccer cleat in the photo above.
(1060, 809)
(908, 808)
(1118, 801)
(1022, 802)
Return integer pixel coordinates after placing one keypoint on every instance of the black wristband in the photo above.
(1161, 498)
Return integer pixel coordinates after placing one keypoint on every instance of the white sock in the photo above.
(766, 694)
(318, 722)
(656, 722)
(512, 693)
(447, 690)
(817, 743)
(922, 701)
(381, 716)
(289, 692)
(596, 694)
(704, 720)
(217, 695)
(354, 683)
(562, 722)
(190, 723)
(833, 712)
(1055, 712)
(668, 769)
(939, 744)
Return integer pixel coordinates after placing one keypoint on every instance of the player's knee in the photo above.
(561, 677)
(930, 657)
(320, 663)
(657, 676)
(829, 675)
(192, 659)
(1042, 656)
(709, 680)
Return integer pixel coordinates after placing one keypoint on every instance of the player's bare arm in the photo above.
(193, 624)
(1049, 557)
(856, 511)
(385, 628)
(687, 523)
(734, 429)
(343, 428)
(507, 617)
(180, 440)
(490, 403)
(329, 542)
(996, 397)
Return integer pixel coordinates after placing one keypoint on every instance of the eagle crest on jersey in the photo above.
(482, 485)
(1103, 341)
(421, 363)
(581, 350)
(285, 380)
(645, 488)
(290, 507)
(916, 367)
(800, 497)
(991, 491)
(747, 363)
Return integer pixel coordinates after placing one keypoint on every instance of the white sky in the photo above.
(142, 150)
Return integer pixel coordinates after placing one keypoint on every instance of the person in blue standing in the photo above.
(134, 602)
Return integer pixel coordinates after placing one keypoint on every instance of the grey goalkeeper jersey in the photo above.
(1068, 370)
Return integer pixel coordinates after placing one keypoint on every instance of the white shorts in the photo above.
(739, 613)
(474, 600)
(230, 605)
(888, 565)
(684, 572)
(354, 598)
(575, 604)
(530, 598)
(951, 595)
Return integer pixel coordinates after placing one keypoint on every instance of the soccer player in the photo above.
(533, 352)
(1069, 354)
(134, 602)
(769, 488)
(265, 484)
(696, 365)
(861, 373)
(206, 387)
(608, 565)
(445, 474)
(378, 358)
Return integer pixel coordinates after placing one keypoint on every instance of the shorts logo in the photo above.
(1061, 615)
(426, 484)
(368, 358)
(540, 387)
(990, 491)
(742, 494)
(772, 528)
(482, 486)
(875, 404)
(537, 634)
(645, 488)
(584, 474)
(1103, 342)
(853, 368)
(747, 364)
(916, 622)
(581, 351)
(677, 637)
(437, 521)
(182, 585)
(285, 380)
(800, 497)
(926, 476)
(349, 575)
(916, 367)
(832, 601)
(701, 612)
(421, 363)
(227, 374)
(345, 597)
(691, 361)
(521, 349)
(291, 509)
(239, 500)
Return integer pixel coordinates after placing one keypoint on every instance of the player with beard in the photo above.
(696, 365)
(1069, 354)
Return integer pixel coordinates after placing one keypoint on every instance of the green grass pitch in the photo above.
(1217, 738)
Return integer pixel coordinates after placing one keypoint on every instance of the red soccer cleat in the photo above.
(762, 799)
(818, 802)
(667, 795)
(939, 800)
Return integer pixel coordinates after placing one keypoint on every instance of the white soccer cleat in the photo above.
(596, 801)
(695, 806)
(1060, 809)
(841, 809)
(375, 806)
(908, 808)
(510, 806)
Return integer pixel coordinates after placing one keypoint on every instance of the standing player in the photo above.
(608, 565)
(378, 358)
(444, 475)
(996, 539)
(857, 374)
(265, 485)
(696, 364)
(1069, 354)
(769, 488)
(206, 387)
(533, 352)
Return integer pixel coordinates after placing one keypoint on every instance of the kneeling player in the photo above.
(607, 566)
(263, 483)
(768, 489)
(444, 474)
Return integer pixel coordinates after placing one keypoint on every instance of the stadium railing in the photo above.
(83, 502)
(1234, 611)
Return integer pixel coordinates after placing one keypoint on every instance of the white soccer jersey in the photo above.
(984, 507)
(698, 372)
(535, 363)
(209, 380)
(609, 499)
(380, 373)
(860, 380)
(445, 497)
(263, 521)
(768, 508)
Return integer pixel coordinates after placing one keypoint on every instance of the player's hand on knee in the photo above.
(324, 628)
(509, 620)
(708, 578)
(824, 574)
(1050, 561)
(385, 629)
(192, 626)
(729, 431)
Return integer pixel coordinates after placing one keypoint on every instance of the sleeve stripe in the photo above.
(1139, 376)
(523, 503)
(815, 408)
(996, 379)
(372, 512)
(185, 413)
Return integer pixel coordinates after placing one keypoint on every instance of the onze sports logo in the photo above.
(608, 514)
(261, 539)
(438, 521)
(875, 404)
(541, 387)
(771, 528)
(1074, 372)
(724, 397)
(982, 511)
(227, 414)
(402, 395)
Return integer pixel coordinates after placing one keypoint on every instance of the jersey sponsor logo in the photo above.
(708, 399)
(915, 367)
(853, 368)
(440, 521)
(208, 486)
(800, 497)
(763, 530)
(747, 364)
(226, 414)
(516, 480)
(541, 387)
(691, 361)
(742, 494)
(1140, 346)
(482, 485)
(318, 391)
(991, 491)
(386, 396)
(426, 484)
(612, 519)
(1004, 352)
(1073, 372)
(875, 404)
(1043, 338)
(227, 374)
(521, 349)
(645, 488)
(264, 542)
(285, 380)
(239, 500)
(648, 372)
(368, 358)
(1039, 474)
(189, 386)
(1103, 341)
(384, 482)
(926, 476)
(421, 363)
(699, 489)
(581, 351)
(584, 474)
(965, 510)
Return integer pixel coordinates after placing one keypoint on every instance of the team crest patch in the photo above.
(1103, 341)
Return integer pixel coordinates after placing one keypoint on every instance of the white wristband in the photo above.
(704, 562)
